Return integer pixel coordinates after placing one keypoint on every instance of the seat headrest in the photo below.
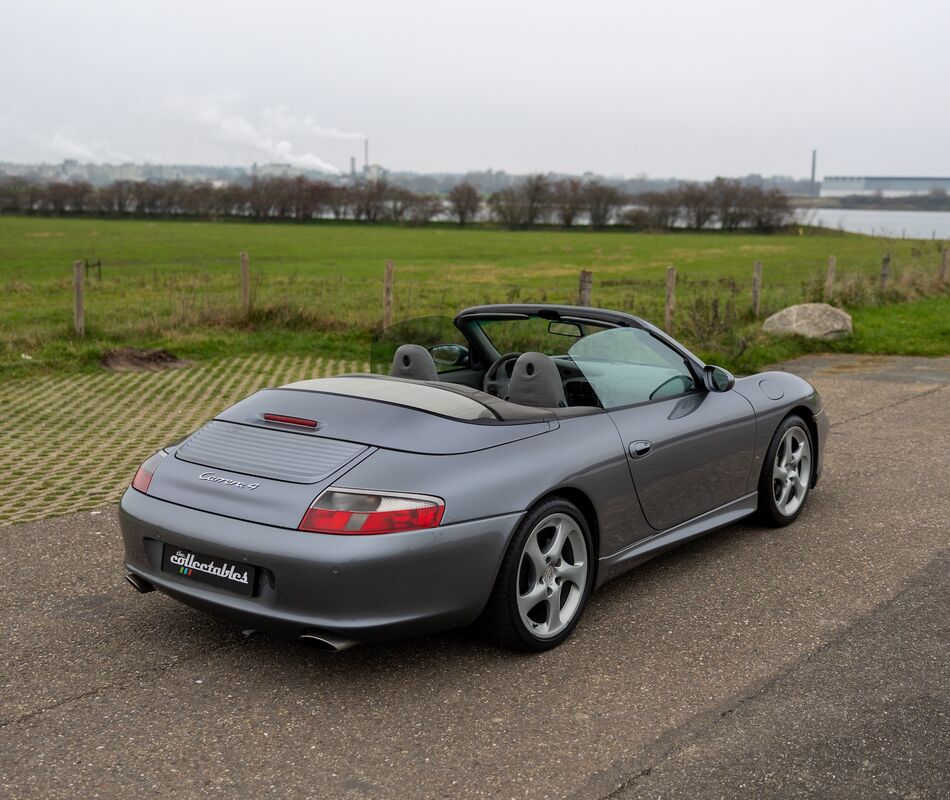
(535, 381)
(415, 362)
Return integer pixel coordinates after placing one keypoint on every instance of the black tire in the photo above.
(502, 617)
(769, 510)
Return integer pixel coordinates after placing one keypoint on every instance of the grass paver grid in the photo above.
(71, 443)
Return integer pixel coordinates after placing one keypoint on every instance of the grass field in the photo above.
(317, 287)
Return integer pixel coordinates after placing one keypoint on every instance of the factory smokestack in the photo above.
(352, 166)
(814, 160)
(365, 154)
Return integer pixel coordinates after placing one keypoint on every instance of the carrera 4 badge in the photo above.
(212, 478)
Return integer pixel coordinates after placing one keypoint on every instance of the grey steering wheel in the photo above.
(491, 383)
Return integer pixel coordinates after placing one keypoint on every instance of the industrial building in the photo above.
(842, 186)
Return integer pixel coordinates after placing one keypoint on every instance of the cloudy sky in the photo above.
(663, 87)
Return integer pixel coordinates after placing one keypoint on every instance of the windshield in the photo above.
(627, 366)
(551, 337)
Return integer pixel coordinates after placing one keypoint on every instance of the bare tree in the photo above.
(731, 201)
(465, 202)
(340, 201)
(697, 204)
(17, 195)
(602, 203)
(536, 194)
(368, 200)
(507, 207)
(568, 200)
(397, 203)
(770, 209)
(425, 207)
(735, 204)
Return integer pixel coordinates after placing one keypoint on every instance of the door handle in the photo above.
(640, 448)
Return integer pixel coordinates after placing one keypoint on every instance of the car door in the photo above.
(689, 450)
(687, 455)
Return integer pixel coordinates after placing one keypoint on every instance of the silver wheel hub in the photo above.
(552, 575)
(791, 471)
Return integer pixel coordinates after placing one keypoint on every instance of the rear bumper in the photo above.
(366, 588)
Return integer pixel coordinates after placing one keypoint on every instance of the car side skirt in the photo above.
(616, 564)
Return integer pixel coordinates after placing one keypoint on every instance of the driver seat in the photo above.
(413, 362)
(536, 381)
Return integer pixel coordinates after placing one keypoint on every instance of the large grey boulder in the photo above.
(813, 320)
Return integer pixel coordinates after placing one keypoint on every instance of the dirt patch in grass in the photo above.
(133, 359)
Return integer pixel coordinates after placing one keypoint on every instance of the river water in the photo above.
(892, 224)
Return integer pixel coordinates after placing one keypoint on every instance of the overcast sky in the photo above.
(665, 87)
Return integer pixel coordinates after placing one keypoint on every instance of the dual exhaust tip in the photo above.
(322, 640)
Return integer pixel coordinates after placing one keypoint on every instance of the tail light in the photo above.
(346, 511)
(143, 476)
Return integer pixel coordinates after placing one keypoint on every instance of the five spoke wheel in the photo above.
(791, 471)
(545, 578)
(552, 575)
(787, 472)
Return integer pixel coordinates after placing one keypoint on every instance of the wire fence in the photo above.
(137, 301)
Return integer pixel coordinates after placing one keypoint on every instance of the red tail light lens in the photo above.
(351, 512)
(143, 476)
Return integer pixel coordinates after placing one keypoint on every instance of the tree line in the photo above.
(723, 203)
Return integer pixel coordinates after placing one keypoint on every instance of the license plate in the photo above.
(220, 572)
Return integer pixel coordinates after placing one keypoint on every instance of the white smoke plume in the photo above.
(272, 137)
(64, 145)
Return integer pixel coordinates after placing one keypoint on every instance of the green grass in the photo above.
(917, 328)
(317, 287)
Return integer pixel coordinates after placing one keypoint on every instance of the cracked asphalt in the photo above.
(808, 661)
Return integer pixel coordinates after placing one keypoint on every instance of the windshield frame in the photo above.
(465, 321)
(599, 326)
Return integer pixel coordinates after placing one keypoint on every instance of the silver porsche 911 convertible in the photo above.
(503, 465)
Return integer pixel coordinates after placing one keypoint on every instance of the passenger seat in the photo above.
(414, 362)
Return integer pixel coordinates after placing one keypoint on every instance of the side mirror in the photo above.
(718, 379)
(449, 355)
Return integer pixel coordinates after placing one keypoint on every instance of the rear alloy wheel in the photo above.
(545, 579)
(787, 472)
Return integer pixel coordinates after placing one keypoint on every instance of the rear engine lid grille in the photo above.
(292, 457)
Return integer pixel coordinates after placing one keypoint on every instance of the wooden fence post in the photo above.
(756, 288)
(830, 278)
(584, 287)
(670, 298)
(945, 265)
(245, 283)
(885, 270)
(388, 295)
(79, 312)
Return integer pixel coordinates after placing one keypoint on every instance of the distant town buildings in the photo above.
(845, 186)
(485, 181)
(71, 171)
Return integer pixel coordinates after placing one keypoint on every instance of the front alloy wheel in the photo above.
(545, 579)
(787, 472)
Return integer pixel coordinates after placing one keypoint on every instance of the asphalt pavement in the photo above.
(807, 661)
